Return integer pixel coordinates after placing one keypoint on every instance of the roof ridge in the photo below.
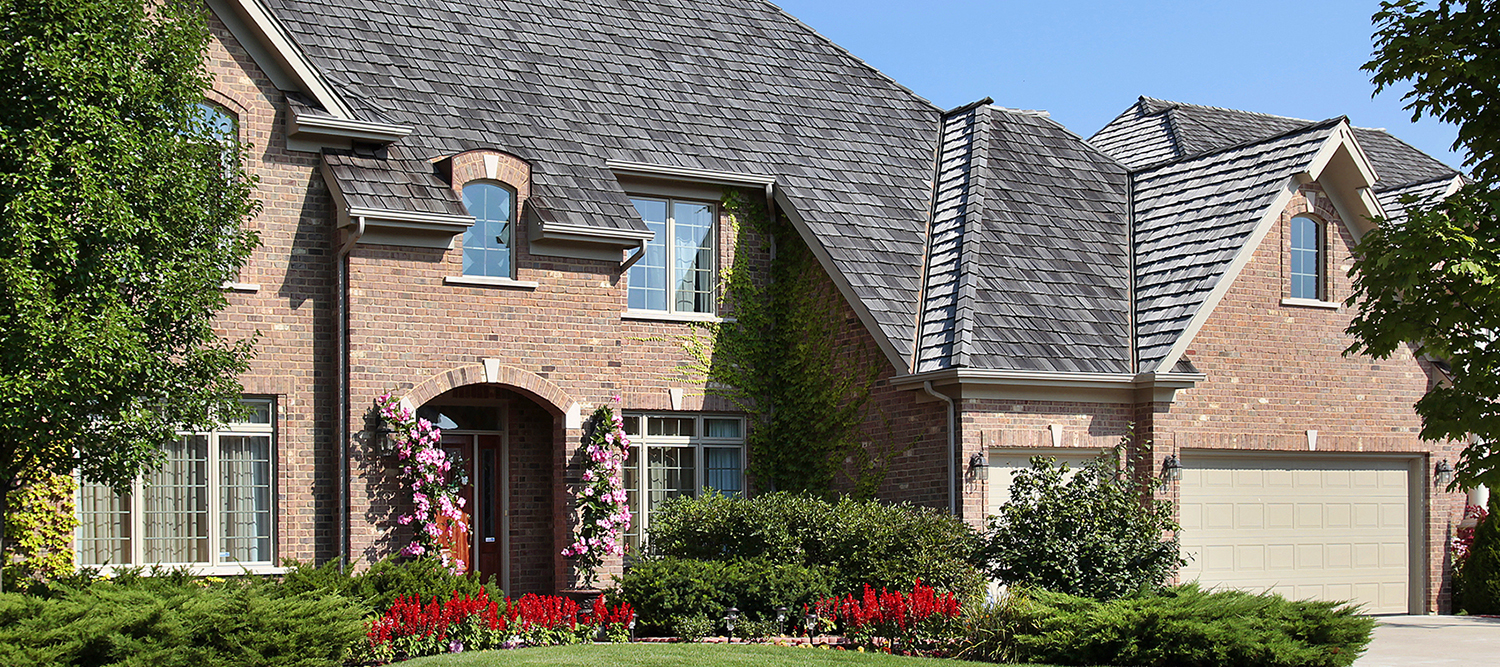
(1086, 142)
(1317, 125)
(1038, 113)
(848, 54)
(1172, 104)
(973, 217)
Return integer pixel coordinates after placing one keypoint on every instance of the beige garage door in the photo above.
(1314, 527)
(1005, 462)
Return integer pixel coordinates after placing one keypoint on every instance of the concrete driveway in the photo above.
(1449, 641)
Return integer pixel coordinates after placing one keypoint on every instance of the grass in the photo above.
(679, 655)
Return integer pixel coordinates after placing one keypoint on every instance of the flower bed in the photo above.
(922, 622)
(463, 623)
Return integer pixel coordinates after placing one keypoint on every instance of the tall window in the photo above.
(209, 504)
(487, 244)
(678, 272)
(1306, 258)
(220, 126)
(683, 454)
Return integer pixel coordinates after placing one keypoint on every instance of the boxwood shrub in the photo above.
(856, 542)
(670, 594)
(1183, 626)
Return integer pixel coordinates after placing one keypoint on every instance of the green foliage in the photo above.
(780, 361)
(1429, 282)
(1179, 627)
(691, 628)
(40, 521)
(177, 622)
(670, 591)
(859, 541)
(375, 588)
(1090, 535)
(1479, 582)
(120, 220)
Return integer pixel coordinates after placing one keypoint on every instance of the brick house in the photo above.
(506, 217)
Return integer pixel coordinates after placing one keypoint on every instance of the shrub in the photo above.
(379, 586)
(1479, 579)
(670, 591)
(1088, 535)
(860, 542)
(197, 622)
(1178, 627)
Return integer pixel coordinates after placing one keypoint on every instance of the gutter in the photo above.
(952, 447)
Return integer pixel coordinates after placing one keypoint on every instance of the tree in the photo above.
(120, 221)
(1431, 281)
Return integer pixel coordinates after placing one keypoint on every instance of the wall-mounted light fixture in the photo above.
(979, 466)
(1443, 474)
(1171, 472)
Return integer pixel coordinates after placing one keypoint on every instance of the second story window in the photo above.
(679, 272)
(1306, 258)
(488, 244)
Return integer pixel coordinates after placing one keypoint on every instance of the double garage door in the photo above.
(1329, 527)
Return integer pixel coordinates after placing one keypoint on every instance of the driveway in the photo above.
(1418, 641)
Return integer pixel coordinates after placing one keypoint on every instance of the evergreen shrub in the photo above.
(378, 586)
(1479, 579)
(672, 595)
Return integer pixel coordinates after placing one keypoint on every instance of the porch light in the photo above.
(1171, 471)
(380, 440)
(1444, 473)
(979, 466)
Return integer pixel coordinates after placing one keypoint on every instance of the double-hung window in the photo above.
(210, 504)
(675, 455)
(678, 273)
(488, 242)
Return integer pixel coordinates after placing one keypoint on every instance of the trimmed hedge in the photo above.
(674, 595)
(1183, 626)
(856, 542)
(175, 622)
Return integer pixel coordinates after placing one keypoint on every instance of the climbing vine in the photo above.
(603, 513)
(779, 358)
(434, 480)
(39, 524)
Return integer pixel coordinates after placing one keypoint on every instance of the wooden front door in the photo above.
(485, 502)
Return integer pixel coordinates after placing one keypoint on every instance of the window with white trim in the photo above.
(679, 272)
(684, 453)
(210, 504)
(1306, 258)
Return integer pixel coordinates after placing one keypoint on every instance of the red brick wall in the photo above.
(1276, 372)
(293, 309)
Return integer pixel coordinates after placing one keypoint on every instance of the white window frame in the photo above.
(698, 441)
(1320, 258)
(671, 256)
(216, 564)
(510, 246)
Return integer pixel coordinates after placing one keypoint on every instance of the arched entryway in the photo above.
(506, 440)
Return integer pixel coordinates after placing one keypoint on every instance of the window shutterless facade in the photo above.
(678, 455)
(679, 271)
(488, 244)
(1306, 258)
(210, 505)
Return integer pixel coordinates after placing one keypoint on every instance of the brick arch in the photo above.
(487, 164)
(549, 395)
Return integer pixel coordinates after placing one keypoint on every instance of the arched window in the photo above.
(216, 122)
(1306, 258)
(487, 244)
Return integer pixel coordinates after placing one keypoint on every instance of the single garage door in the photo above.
(1005, 462)
(1307, 527)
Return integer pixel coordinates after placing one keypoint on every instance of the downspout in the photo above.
(952, 448)
(343, 382)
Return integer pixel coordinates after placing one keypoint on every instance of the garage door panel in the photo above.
(1325, 527)
(1006, 462)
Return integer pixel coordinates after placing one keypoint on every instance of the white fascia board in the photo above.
(646, 170)
(412, 219)
(1453, 186)
(1081, 387)
(841, 282)
(274, 35)
(1262, 228)
(345, 128)
(557, 231)
(1343, 137)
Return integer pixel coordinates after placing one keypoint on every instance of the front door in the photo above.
(485, 503)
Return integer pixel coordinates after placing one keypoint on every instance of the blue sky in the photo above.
(1085, 62)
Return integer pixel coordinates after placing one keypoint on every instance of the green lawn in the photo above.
(678, 655)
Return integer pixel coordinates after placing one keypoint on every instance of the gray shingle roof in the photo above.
(1427, 193)
(394, 183)
(1153, 131)
(570, 84)
(1194, 216)
(1028, 267)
